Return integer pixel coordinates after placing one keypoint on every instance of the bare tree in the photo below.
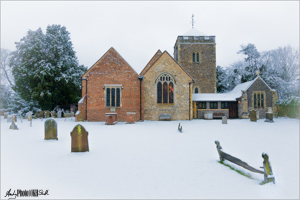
(5, 69)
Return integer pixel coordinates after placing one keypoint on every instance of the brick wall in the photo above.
(111, 68)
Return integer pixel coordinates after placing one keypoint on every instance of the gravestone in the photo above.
(15, 117)
(268, 173)
(47, 114)
(257, 115)
(224, 120)
(59, 114)
(5, 115)
(130, 117)
(50, 129)
(79, 137)
(13, 125)
(253, 116)
(30, 118)
(20, 115)
(9, 118)
(72, 114)
(269, 116)
(41, 114)
(53, 114)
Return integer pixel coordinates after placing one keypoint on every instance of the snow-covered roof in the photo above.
(82, 99)
(228, 96)
(194, 32)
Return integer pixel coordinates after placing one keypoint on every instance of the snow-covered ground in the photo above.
(152, 160)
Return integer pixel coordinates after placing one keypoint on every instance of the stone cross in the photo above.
(79, 137)
(253, 116)
(13, 125)
(50, 129)
(257, 72)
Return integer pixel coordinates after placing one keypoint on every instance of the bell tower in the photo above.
(196, 53)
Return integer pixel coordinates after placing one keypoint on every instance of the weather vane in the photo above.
(192, 21)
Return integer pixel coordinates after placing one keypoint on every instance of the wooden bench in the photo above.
(165, 116)
(218, 115)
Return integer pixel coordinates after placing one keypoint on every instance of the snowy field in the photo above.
(149, 160)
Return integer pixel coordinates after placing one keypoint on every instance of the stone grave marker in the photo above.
(253, 115)
(13, 125)
(15, 117)
(269, 116)
(50, 129)
(59, 113)
(72, 114)
(20, 115)
(47, 114)
(30, 118)
(9, 117)
(5, 115)
(257, 115)
(224, 120)
(41, 114)
(53, 114)
(79, 137)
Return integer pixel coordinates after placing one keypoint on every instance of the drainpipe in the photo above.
(141, 78)
(85, 95)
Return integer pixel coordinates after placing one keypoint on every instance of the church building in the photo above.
(182, 87)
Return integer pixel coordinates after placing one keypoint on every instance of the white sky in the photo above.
(138, 29)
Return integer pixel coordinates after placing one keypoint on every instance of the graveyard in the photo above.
(150, 159)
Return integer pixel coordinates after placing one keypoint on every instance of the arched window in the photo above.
(165, 88)
(196, 90)
(193, 57)
(197, 57)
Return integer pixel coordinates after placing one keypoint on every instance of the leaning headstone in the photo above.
(79, 137)
(253, 116)
(50, 129)
(13, 125)
(224, 120)
(15, 117)
(47, 114)
(72, 114)
(268, 173)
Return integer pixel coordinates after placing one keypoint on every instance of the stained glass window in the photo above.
(118, 97)
(171, 90)
(159, 92)
(165, 92)
(165, 88)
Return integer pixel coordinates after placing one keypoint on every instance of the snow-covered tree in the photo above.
(46, 69)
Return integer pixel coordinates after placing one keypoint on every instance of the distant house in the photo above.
(111, 85)
(255, 94)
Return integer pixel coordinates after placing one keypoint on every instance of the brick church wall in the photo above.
(111, 69)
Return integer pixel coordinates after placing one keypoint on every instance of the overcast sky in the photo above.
(138, 29)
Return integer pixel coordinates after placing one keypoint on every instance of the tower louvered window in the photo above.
(165, 88)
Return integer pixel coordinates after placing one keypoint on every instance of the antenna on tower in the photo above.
(192, 21)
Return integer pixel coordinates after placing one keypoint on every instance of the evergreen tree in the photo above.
(46, 69)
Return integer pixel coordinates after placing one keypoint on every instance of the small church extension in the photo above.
(182, 87)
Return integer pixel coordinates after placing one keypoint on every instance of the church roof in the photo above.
(156, 57)
(194, 32)
(111, 50)
(228, 96)
(151, 62)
